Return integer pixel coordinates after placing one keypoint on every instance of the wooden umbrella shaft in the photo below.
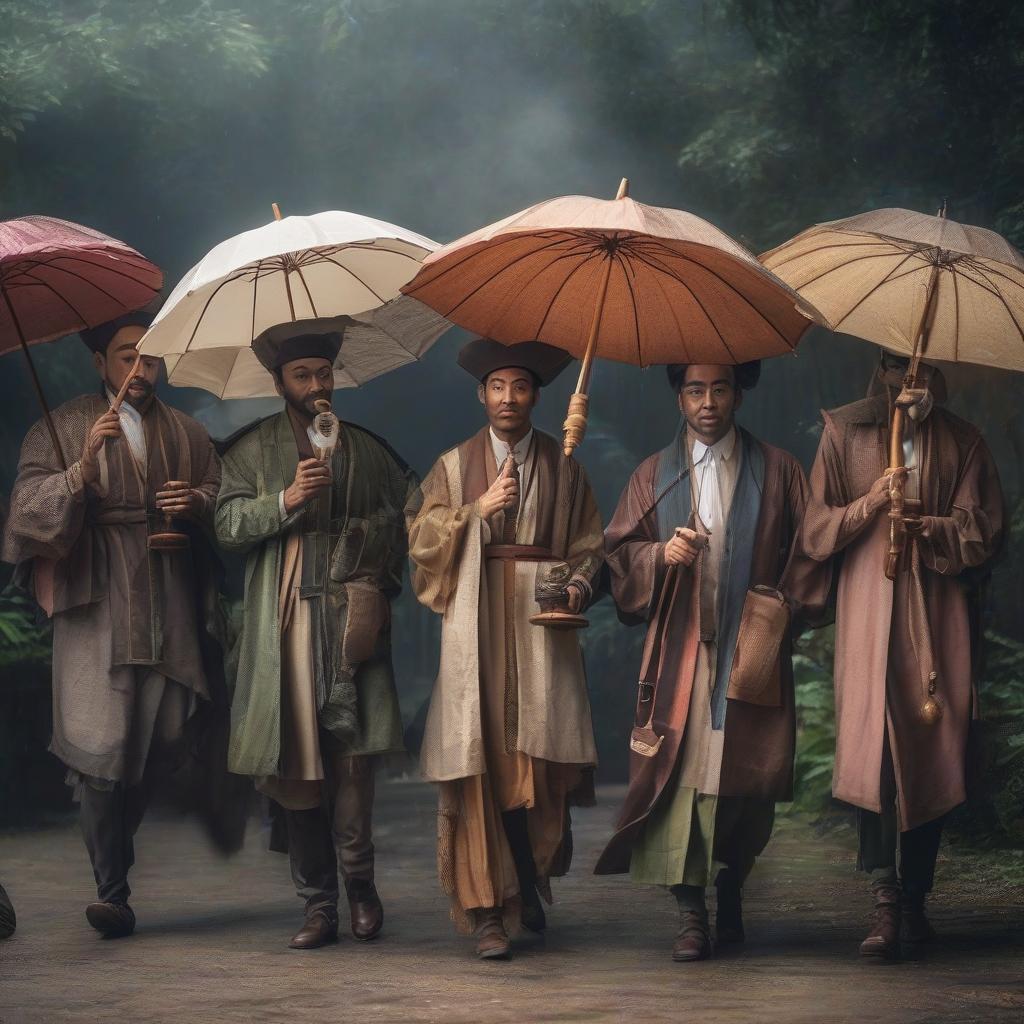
(36, 383)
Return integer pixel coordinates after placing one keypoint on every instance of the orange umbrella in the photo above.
(614, 278)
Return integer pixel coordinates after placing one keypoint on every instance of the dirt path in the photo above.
(212, 934)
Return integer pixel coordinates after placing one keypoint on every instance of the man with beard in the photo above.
(134, 630)
(508, 737)
(314, 702)
(697, 548)
(905, 650)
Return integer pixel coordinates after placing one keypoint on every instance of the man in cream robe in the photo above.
(508, 734)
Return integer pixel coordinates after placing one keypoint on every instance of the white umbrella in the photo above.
(296, 268)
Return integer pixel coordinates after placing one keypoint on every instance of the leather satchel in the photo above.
(764, 622)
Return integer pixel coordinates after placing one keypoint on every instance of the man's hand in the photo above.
(502, 493)
(108, 425)
(312, 477)
(683, 548)
(878, 496)
(574, 593)
(914, 525)
(179, 500)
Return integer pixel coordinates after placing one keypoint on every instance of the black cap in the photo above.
(483, 356)
(98, 338)
(301, 339)
(746, 375)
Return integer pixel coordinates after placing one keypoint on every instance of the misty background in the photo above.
(175, 124)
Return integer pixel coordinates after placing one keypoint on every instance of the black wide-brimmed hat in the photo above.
(318, 338)
(98, 338)
(483, 356)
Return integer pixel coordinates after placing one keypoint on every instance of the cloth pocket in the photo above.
(755, 676)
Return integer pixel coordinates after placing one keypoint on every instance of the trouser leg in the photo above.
(919, 848)
(353, 781)
(313, 862)
(109, 819)
(517, 833)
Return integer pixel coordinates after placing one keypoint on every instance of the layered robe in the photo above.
(509, 722)
(733, 748)
(134, 630)
(884, 654)
(298, 665)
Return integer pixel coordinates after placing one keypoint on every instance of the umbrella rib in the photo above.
(84, 280)
(915, 246)
(671, 306)
(501, 270)
(990, 271)
(206, 306)
(993, 290)
(309, 295)
(554, 298)
(721, 337)
(255, 289)
(445, 270)
(63, 298)
(352, 273)
(888, 279)
(756, 269)
(850, 263)
(956, 317)
(636, 314)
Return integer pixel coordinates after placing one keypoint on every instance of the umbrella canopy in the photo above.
(870, 276)
(57, 278)
(616, 279)
(372, 344)
(679, 290)
(328, 264)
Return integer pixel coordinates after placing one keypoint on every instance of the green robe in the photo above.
(360, 537)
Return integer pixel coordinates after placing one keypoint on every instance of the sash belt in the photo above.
(517, 552)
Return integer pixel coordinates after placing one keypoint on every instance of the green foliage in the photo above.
(21, 638)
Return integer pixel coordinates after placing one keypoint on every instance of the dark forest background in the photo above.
(174, 123)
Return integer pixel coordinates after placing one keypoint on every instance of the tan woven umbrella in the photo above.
(919, 286)
(617, 279)
(870, 276)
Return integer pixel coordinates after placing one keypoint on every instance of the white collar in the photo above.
(519, 452)
(721, 449)
(126, 407)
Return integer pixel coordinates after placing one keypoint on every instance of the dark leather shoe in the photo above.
(492, 941)
(729, 913)
(533, 916)
(883, 941)
(320, 928)
(917, 929)
(112, 920)
(693, 940)
(366, 909)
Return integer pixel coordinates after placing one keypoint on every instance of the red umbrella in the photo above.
(57, 278)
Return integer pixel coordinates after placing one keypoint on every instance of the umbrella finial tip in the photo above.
(623, 189)
(277, 211)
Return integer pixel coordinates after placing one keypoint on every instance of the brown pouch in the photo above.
(755, 665)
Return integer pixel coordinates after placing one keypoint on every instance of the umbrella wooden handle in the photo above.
(123, 390)
(575, 425)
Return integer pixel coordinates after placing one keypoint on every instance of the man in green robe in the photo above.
(314, 700)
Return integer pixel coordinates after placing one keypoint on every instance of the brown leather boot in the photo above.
(917, 929)
(365, 907)
(320, 928)
(112, 920)
(693, 940)
(492, 939)
(883, 941)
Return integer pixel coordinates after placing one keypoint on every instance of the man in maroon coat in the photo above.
(902, 643)
(700, 525)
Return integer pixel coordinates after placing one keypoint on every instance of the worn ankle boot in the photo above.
(883, 941)
(693, 940)
(492, 939)
(917, 929)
